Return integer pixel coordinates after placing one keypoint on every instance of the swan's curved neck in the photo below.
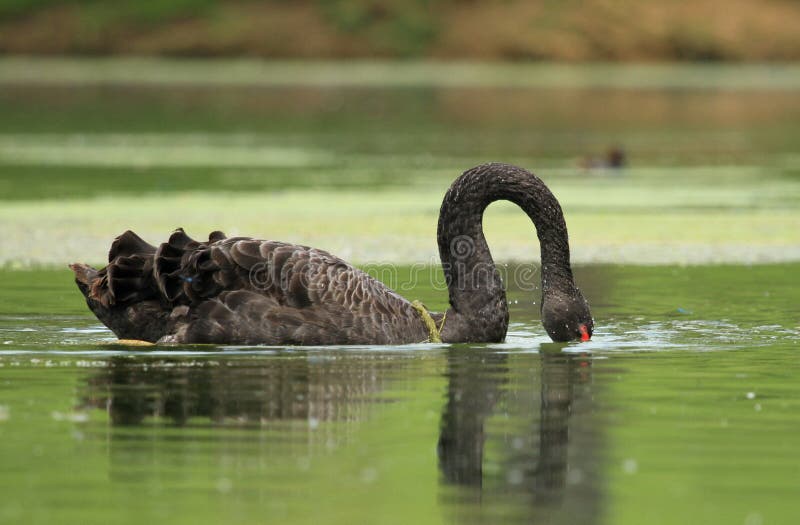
(479, 309)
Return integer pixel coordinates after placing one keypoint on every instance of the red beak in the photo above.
(584, 333)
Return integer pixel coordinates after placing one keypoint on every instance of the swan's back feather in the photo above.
(243, 291)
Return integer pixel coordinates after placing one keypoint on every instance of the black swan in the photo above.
(247, 291)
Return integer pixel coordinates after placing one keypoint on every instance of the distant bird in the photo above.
(614, 158)
(240, 290)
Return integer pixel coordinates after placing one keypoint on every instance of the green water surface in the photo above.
(682, 409)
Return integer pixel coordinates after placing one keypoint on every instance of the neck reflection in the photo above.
(521, 425)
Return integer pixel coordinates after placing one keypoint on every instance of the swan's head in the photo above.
(566, 316)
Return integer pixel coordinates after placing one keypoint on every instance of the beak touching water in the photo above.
(585, 335)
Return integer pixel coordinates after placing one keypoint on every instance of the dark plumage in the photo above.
(247, 291)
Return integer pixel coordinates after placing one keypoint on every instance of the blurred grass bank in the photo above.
(621, 30)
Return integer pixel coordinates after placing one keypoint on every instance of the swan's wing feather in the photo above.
(247, 317)
(129, 244)
(281, 293)
(243, 290)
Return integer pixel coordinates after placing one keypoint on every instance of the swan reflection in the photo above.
(235, 391)
(521, 427)
(515, 428)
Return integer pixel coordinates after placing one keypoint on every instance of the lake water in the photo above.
(682, 409)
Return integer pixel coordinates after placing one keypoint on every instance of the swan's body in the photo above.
(249, 291)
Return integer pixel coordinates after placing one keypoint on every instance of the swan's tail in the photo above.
(85, 276)
(127, 279)
(135, 294)
(121, 294)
